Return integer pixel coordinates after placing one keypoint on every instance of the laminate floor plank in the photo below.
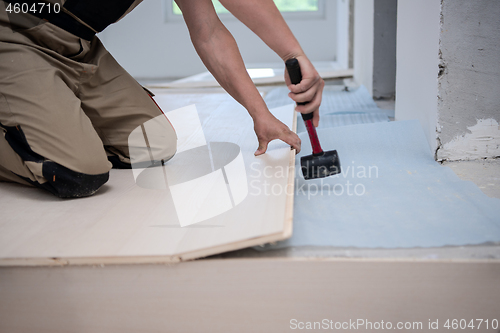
(130, 222)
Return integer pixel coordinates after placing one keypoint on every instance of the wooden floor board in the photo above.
(126, 222)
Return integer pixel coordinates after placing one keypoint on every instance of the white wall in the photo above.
(342, 49)
(417, 64)
(363, 43)
(149, 47)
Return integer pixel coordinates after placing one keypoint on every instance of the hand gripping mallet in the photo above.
(321, 163)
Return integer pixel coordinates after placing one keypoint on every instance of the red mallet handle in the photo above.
(293, 68)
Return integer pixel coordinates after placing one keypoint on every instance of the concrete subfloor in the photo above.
(484, 173)
(467, 252)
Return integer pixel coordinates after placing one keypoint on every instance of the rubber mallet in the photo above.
(321, 163)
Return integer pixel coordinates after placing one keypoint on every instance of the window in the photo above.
(289, 8)
(219, 8)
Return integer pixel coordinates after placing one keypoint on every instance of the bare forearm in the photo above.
(221, 56)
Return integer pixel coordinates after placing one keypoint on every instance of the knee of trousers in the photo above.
(49, 175)
(66, 183)
(152, 143)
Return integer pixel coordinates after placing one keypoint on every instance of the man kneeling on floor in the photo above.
(67, 107)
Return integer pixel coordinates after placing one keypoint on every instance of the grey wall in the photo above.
(384, 48)
(469, 80)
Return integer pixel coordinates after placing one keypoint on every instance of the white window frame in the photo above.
(169, 15)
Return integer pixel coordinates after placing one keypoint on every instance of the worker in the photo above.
(67, 107)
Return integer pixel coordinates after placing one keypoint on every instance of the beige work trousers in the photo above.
(66, 110)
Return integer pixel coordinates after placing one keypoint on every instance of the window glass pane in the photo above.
(297, 5)
(218, 8)
(283, 6)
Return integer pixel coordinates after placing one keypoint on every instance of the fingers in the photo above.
(292, 139)
(316, 118)
(306, 84)
(262, 147)
(306, 96)
(312, 98)
(287, 136)
(309, 90)
(310, 77)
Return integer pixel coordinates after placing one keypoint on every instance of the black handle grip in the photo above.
(293, 68)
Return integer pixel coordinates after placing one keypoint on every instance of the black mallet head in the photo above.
(320, 165)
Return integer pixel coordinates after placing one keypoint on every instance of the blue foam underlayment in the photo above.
(338, 107)
(408, 200)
